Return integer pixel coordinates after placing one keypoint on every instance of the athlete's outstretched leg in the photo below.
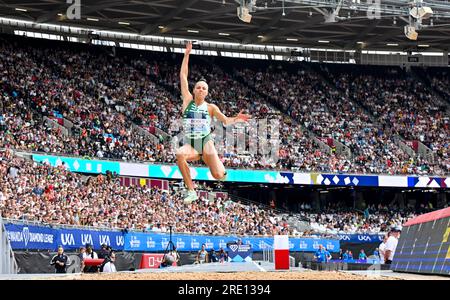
(185, 154)
(211, 159)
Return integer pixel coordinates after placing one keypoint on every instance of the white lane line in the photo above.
(259, 267)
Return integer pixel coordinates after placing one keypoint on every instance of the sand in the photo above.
(306, 275)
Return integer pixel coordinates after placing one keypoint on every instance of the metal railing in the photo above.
(268, 254)
(291, 261)
(8, 264)
(54, 124)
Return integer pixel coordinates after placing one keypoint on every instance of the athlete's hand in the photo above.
(240, 118)
(188, 48)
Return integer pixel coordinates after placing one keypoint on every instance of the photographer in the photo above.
(104, 252)
(109, 266)
(60, 261)
(170, 258)
(90, 254)
(107, 254)
(212, 256)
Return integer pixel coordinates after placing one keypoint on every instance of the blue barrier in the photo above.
(41, 237)
(75, 238)
(31, 237)
(158, 242)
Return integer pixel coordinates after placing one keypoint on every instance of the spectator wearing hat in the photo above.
(391, 245)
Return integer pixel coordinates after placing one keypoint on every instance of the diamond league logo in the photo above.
(234, 247)
(26, 235)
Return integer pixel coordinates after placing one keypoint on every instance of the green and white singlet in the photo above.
(197, 125)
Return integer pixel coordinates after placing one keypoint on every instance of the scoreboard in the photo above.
(424, 245)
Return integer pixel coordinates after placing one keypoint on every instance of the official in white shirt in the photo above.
(109, 266)
(391, 245)
(382, 248)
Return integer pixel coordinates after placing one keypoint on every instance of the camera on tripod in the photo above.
(171, 256)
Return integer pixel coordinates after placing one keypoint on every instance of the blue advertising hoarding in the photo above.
(44, 237)
(31, 237)
(41, 237)
(361, 238)
(158, 242)
(167, 171)
(72, 239)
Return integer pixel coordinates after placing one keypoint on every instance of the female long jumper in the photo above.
(197, 115)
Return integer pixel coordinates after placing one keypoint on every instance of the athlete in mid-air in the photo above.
(197, 115)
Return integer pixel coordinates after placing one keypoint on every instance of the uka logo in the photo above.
(120, 241)
(67, 239)
(364, 238)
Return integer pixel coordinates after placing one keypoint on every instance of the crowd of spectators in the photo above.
(61, 84)
(336, 222)
(53, 195)
(329, 112)
(403, 105)
(107, 97)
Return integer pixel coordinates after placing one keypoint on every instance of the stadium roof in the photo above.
(302, 25)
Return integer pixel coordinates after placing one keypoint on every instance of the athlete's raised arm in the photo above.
(239, 118)
(185, 94)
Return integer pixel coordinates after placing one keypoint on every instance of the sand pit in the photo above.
(308, 275)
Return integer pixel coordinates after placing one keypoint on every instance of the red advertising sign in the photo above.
(152, 261)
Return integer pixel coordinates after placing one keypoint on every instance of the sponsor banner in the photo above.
(75, 238)
(79, 164)
(361, 238)
(40, 237)
(158, 242)
(428, 182)
(30, 237)
(152, 261)
(249, 176)
(344, 180)
(239, 253)
(200, 173)
(393, 181)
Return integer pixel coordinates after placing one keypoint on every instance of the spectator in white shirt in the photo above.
(391, 245)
